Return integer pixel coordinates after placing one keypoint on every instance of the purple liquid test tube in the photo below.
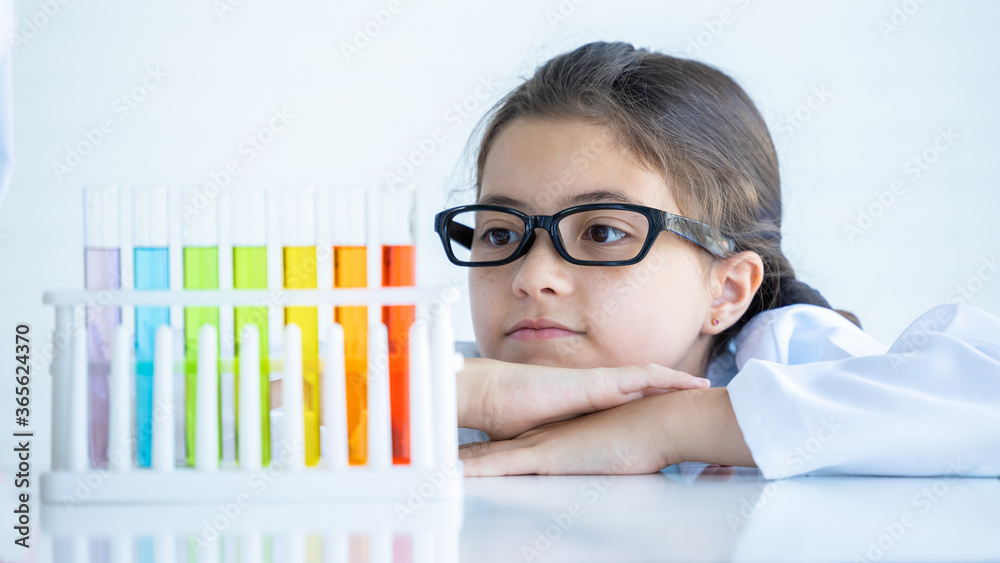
(102, 270)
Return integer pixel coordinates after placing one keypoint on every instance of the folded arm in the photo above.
(642, 436)
(505, 399)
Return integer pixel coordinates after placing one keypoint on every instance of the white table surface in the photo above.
(690, 513)
(685, 513)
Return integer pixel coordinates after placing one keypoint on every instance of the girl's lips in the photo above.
(539, 329)
(540, 333)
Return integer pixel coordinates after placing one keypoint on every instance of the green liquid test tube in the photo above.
(248, 220)
(201, 271)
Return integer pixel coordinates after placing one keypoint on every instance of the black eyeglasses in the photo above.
(599, 234)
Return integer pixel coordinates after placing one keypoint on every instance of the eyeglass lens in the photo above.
(597, 235)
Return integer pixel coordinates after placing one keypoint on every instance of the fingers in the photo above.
(646, 379)
(469, 446)
(487, 459)
(610, 387)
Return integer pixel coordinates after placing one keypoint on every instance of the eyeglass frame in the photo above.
(659, 220)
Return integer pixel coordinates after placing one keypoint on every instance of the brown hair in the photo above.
(688, 120)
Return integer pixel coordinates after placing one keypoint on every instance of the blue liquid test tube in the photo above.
(150, 241)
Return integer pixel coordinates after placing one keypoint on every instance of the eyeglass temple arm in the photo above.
(700, 234)
(460, 234)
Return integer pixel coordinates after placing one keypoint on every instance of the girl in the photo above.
(625, 253)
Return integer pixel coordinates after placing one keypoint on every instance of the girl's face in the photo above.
(651, 312)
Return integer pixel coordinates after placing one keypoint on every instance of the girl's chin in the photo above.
(551, 356)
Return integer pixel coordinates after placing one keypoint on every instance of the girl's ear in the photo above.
(734, 283)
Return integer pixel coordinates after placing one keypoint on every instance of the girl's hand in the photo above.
(621, 440)
(643, 436)
(505, 400)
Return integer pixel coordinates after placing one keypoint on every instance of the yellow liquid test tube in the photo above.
(299, 259)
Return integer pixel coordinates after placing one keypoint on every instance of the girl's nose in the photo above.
(542, 271)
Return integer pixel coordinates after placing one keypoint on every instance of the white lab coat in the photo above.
(815, 394)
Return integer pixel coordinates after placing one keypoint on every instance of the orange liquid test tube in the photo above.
(398, 270)
(350, 269)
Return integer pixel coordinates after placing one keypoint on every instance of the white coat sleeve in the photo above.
(815, 394)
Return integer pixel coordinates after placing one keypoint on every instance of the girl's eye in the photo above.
(604, 234)
(500, 237)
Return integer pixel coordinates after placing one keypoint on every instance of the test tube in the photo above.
(151, 240)
(200, 236)
(399, 269)
(350, 269)
(299, 259)
(102, 270)
(248, 221)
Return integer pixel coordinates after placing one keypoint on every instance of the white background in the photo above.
(355, 118)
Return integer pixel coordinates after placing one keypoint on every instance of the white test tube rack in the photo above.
(433, 474)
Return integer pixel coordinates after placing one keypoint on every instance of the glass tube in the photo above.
(399, 269)
(102, 270)
(248, 222)
(200, 237)
(350, 269)
(150, 241)
(299, 269)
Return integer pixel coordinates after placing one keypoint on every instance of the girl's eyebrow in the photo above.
(501, 200)
(596, 196)
(601, 196)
